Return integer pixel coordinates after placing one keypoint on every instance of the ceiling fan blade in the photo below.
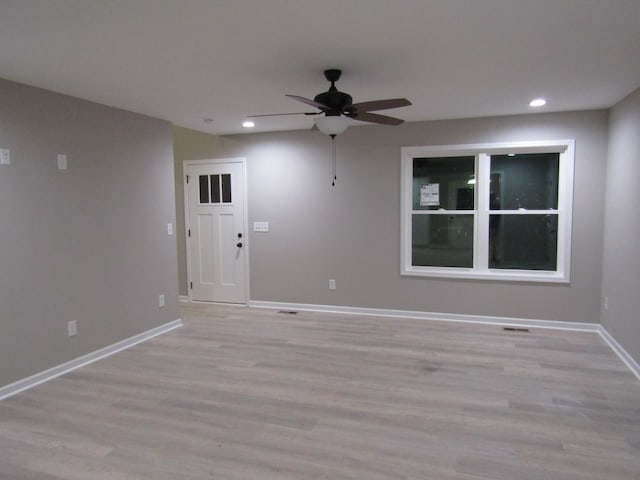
(308, 101)
(375, 118)
(379, 104)
(282, 114)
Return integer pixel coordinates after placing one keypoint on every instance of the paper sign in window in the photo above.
(429, 194)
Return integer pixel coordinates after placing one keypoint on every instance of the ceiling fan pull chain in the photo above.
(333, 160)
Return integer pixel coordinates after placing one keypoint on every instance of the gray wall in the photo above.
(87, 244)
(351, 232)
(621, 266)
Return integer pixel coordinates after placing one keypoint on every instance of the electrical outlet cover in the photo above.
(5, 156)
(62, 161)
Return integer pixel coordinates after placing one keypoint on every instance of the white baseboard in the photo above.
(621, 352)
(452, 317)
(38, 378)
(184, 298)
(448, 317)
(627, 359)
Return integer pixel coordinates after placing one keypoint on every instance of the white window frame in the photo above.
(482, 152)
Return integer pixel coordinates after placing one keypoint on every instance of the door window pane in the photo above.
(226, 188)
(442, 240)
(523, 242)
(215, 188)
(444, 183)
(527, 180)
(203, 188)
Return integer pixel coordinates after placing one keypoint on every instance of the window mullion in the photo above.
(481, 245)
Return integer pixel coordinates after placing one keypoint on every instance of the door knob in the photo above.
(239, 244)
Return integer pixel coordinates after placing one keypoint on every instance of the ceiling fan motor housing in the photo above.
(333, 98)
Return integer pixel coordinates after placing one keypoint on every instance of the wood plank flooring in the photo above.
(249, 394)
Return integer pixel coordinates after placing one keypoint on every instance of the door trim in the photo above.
(246, 242)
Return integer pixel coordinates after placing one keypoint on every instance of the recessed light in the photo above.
(537, 102)
(248, 124)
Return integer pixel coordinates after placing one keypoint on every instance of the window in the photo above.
(214, 188)
(491, 211)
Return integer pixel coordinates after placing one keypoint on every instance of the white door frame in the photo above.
(245, 240)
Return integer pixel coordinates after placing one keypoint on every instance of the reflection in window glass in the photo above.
(442, 240)
(204, 188)
(528, 180)
(443, 183)
(523, 242)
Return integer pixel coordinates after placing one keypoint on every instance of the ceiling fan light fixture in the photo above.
(332, 125)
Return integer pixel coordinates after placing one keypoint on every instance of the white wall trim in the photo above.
(621, 352)
(46, 375)
(184, 298)
(448, 317)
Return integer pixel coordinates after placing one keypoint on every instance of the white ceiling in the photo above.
(185, 60)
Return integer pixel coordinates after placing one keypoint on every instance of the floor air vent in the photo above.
(515, 329)
(288, 312)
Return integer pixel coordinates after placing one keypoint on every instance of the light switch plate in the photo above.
(261, 226)
(169, 228)
(72, 328)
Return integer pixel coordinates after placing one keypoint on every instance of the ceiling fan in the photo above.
(337, 107)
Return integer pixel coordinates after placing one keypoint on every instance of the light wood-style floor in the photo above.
(248, 394)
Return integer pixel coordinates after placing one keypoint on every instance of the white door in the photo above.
(215, 224)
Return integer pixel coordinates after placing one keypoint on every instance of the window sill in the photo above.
(493, 275)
